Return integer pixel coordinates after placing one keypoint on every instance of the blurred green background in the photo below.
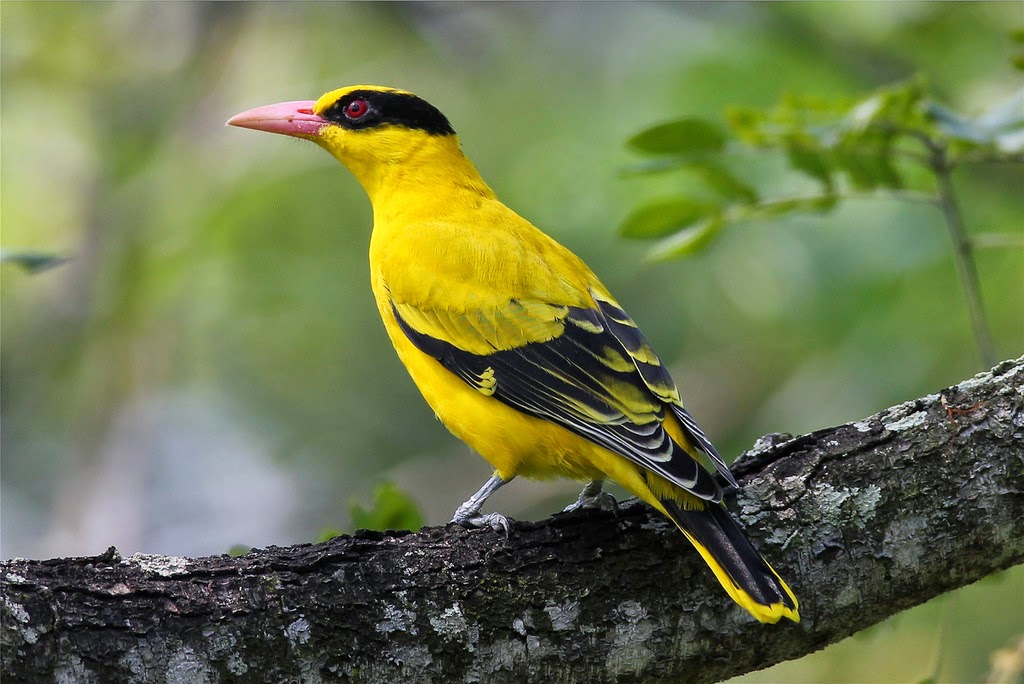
(209, 368)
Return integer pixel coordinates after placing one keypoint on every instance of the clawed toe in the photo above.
(495, 521)
(602, 501)
(594, 496)
(468, 514)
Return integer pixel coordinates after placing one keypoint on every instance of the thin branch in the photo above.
(963, 255)
(894, 194)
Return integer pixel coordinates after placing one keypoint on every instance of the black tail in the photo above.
(744, 574)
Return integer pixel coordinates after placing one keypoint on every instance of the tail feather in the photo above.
(744, 574)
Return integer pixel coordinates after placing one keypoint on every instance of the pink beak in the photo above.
(288, 118)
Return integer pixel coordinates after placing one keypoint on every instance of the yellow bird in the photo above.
(513, 341)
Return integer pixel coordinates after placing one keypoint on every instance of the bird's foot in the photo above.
(603, 501)
(593, 496)
(472, 517)
(469, 515)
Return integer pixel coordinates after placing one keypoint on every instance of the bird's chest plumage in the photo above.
(513, 442)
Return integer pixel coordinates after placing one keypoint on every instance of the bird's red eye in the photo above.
(357, 109)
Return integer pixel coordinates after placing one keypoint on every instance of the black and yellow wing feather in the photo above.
(589, 370)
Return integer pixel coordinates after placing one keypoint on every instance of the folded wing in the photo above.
(589, 369)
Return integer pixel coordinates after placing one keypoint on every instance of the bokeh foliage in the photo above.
(851, 147)
(207, 368)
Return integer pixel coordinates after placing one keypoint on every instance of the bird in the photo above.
(512, 340)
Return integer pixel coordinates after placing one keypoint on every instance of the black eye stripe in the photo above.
(384, 107)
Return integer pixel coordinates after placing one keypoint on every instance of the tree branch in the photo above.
(863, 520)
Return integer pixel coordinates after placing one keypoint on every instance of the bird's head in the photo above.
(372, 130)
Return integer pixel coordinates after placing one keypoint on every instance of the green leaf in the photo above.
(885, 114)
(722, 181)
(31, 261)
(747, 125)
(237, 550)
(771, 209)
(392, 509)
(902, 103)
(804, 156)
(688, 241)
(868, 166)
(887, 172)
(682, 137)
(859, 170)
(663, 217)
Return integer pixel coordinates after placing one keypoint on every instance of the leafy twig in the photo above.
(852, 148)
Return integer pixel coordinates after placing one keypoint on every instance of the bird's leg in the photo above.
(468, 514)
(593, 496)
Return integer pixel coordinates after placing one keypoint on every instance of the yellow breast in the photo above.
(511, 441)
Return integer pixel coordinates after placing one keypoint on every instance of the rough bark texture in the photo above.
(864, 520)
